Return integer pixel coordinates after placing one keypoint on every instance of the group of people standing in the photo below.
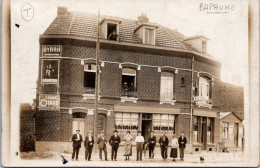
(115, 140)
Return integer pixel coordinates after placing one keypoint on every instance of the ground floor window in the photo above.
(126, 121)
(225, 130)
(164, 122)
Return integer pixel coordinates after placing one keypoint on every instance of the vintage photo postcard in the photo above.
(161, 83)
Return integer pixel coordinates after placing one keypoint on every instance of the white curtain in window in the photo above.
(204, 88)
(166, 88)
(118, 119)
(134, 119)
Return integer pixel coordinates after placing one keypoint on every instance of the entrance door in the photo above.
(236, 134)
(146, 125)
(78, 123)
(203, 134)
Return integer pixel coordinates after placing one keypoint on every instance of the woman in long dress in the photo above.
(174, 147)
(128, 145)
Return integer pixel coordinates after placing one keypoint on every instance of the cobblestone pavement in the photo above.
(210, 159)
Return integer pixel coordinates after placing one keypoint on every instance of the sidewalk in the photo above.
(210, 159)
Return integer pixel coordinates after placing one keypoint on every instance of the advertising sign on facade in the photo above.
(51, 50)
(49, 102)
(50, 71)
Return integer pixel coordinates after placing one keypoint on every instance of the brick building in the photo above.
(145, 82)
(231, 131)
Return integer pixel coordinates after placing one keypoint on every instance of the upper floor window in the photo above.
(166, 91)
(204, 89)
(129, 82)
(112, 32)
(149, 37)
(225, 130)
(89, 76)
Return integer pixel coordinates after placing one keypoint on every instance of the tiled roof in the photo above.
(85, 25)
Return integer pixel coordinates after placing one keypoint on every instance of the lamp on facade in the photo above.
(82, 62)
(159, 69)
(176, 70)
(120, 65)
(102, 64)
(139, 67)
(70, 111)
(108, 113)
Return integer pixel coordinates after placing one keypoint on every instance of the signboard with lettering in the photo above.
(49, 102)
(51, 50)
(50, 71)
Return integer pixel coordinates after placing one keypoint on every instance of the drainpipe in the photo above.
(96, 85)
(191, 102)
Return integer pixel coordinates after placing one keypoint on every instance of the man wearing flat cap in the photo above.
(76, 139)
(102, 141)
(151, 144)
(114, 141)
(164, 142)
(88, 144)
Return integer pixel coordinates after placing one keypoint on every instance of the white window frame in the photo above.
(201, 90)
(225, 133)
(117, 28)
(166, 100)
(149, 43)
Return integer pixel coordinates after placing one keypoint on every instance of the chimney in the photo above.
(143, 18)
(62, 11)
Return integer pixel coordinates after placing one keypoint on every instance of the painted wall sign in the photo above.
(49, 102)
(50, 71)
(51, 50)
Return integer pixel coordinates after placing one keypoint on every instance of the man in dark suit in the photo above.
(76, 139)
(182, 144)
(88, 144)
(114, 142)
(164, 142)
(151, 144)
(102, 141)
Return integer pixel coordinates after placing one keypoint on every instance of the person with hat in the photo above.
(128, 139)
(151, 144)
(114, 141)
(88, 144)
(102, 142)
(76, 139)
(174, 146)
(182, 145)
(164, 142)
(139, 145)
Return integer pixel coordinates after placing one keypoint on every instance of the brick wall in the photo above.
(27, 127)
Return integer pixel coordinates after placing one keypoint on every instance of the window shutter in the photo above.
(170, 88)
(146, 36)
(163, 88)
(151, 37)
(210, 92)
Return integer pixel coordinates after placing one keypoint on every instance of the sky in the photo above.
(227, 32)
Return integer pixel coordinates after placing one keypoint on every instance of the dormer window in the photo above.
(149, 36)
(110, 28)
(204, 47)
(112, 32)
(199, 43)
